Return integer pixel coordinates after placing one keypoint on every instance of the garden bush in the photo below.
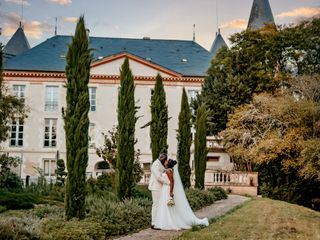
(19, 228)
(12, 200)
(59, 228)
(201, 198)
(119, 217)
(49, 191)
(48, 211)
(141, 191)
(2, 209)
(219, 193)
(11, 182)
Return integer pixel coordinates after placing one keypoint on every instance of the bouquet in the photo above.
(170, 202)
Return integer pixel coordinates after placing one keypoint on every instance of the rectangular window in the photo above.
(49, 167)
(16, 134)
(92, 98)
(91, 134)
(51, 101)
(213, 159)
(19, 91)
(50, 133)
(146, 166)
(192, 94)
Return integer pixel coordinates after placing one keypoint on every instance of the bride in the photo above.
(174, 212)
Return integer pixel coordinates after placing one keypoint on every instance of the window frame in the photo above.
(51, 103)
(93, 98)
(19, 123)
(52, 166)
(52, 127)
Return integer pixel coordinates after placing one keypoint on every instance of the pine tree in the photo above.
(200, 152)
(76, 121)
(184, 141)
(126, 130)
(159, 119)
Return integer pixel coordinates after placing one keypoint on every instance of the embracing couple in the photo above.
(170, 207)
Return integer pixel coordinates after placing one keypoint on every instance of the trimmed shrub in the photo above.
(201, 198)
(48, 211)
(74, 229)
(119, 217)
(19, 228)
(127, 216)
(219, 193)
(2, 209)
(141, 191)
(17, 200)
(12, 182)
(106, 181)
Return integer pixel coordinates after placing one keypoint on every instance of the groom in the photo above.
(155, 183)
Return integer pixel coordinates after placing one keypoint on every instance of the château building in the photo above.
(37, 75)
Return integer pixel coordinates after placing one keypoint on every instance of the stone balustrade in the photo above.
(243, 183)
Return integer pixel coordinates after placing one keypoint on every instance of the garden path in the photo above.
(215, 210)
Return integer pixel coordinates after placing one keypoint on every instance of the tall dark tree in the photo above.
(126, 130)
(10, 106)
(200, 144)
(159, 119)
(184, 140)
(76, 120)
(258, 61)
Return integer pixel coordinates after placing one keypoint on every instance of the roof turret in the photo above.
(217, 44)
(260, 15)
(17, 44)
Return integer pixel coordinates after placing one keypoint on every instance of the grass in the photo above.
(262, 219)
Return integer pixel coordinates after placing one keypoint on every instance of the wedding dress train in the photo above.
(179, 216)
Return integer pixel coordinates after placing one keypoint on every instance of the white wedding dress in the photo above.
(179, 216)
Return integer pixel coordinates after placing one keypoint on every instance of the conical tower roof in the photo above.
(17, 44)
(260, 15)
(217, 44)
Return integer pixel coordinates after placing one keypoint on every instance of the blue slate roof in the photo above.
(17, 44)
(260, 15)
(217, 44)
(50, 54)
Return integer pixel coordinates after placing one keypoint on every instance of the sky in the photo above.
(157, 19)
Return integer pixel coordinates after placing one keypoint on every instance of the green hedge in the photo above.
(219, 193)
(106, 217)
(201, 198)
(12, 200)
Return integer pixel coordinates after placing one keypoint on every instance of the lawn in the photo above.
(264, 219)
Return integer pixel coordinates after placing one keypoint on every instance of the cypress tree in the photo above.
(159, 119)
(126, 129)
(200, 143)
(184, 141)
(76, 121)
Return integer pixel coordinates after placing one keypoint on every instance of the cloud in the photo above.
(61, 2)
(70, 19)
(24, 2)
(32, 29)
(235, 24)
(306, 12)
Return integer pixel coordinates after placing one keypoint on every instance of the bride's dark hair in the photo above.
(171, 163)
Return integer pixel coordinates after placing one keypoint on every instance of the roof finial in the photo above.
(55, 27)
(21, 12)
(217, 14)
(194, 33)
